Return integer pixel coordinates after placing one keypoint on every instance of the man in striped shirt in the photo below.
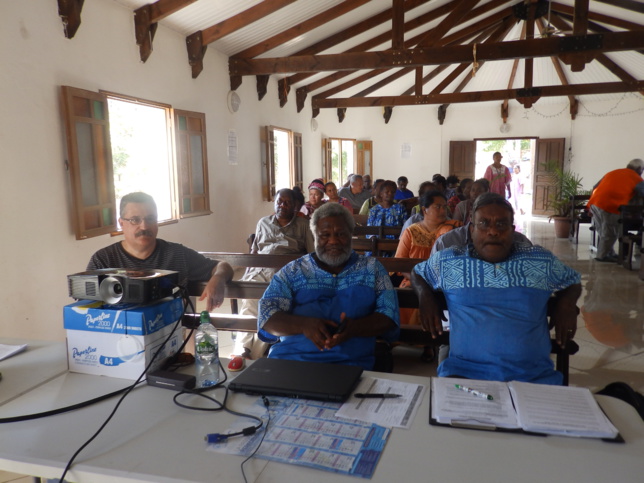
(141, 249)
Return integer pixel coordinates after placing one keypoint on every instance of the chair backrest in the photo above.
(631, 218)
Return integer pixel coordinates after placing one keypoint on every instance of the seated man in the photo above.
(354, 192)
(497, 294)
(330, 305)
(141, 249)
(280, 234)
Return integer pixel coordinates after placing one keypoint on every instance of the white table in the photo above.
(39, 363)
(151, 439)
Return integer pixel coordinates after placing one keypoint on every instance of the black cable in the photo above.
(268, 411)
(127, 391)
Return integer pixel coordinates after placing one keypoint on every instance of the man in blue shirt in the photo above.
(497, 295)
(402, 193)
(330, 305)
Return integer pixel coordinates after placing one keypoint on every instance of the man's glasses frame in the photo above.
(137, 220)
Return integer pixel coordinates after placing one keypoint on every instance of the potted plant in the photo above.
(565, 185)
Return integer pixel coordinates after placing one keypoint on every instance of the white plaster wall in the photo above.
(37, 244)
(604, 137)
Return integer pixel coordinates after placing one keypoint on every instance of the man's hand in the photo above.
(214, 292)
(216, 286)
(564, 314)
(431, 315)
(318, 331)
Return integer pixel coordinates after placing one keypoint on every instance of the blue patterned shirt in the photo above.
(395, 215)
(303, 288)
(497, 311)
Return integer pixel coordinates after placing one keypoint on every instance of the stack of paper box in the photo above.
(119, 341)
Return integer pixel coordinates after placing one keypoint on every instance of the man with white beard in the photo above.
(330, 305)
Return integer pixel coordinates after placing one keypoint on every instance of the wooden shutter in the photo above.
(462, 158)
(364, 157)
(267, 158)
(192, 163)
(89, 157)
(547, 150)
(327, 152)
(297, 161)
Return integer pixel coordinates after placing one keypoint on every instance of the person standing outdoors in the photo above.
(499, 176)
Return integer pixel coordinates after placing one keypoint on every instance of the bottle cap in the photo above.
(205, 317)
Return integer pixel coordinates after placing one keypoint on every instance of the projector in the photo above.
(122, 285)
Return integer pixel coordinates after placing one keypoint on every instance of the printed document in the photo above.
(398, 412)
(540, 408)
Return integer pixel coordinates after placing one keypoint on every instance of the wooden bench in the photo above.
(379, 231)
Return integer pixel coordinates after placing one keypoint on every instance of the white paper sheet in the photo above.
(7, 351)
(398, 412)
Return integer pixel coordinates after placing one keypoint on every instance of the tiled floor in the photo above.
(610, 330)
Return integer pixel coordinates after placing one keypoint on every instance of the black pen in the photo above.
(374, 395)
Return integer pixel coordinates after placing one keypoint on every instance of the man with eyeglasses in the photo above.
(497, 295)
(141, 249)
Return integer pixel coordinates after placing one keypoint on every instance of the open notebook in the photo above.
(520, 406)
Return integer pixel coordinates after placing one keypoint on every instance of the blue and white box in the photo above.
(119, 341)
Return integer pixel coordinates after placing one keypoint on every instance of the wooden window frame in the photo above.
(267, 160)
(98, 215)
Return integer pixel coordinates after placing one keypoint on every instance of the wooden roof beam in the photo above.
(598, 17)
(482, 96)
(306, 26)
(146, 21)
(612, 66)
(286, 82)
(450, 39)
(455, 38)
(586, 45)
(634, 5)
(70, 13)
(560, 73)
(505, 107)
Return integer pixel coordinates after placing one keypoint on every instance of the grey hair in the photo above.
(491, 199)
(635, 164)
(136, 197)
(354, 177)
(332, 209)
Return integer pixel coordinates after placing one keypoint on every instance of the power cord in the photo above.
(268, 411)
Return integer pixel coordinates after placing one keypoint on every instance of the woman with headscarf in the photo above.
(316, 197)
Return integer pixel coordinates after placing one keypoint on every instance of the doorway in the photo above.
(518, 155)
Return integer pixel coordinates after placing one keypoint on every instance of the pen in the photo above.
(474, 392)
(374, 395)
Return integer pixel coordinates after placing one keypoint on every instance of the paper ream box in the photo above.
(120, 341)
(130, 319)
(119, 355)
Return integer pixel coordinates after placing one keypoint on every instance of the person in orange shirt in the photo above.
(616, 188)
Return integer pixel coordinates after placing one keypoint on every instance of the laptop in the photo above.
(298, 379)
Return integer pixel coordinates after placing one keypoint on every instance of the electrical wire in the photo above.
(268, 411)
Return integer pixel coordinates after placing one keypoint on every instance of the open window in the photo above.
(343, 157)
(118, 144)
(281, 158)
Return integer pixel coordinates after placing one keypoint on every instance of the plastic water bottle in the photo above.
(206, 352)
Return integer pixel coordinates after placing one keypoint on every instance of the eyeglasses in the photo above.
(137, 220)
(500, 226)
(438, 206)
